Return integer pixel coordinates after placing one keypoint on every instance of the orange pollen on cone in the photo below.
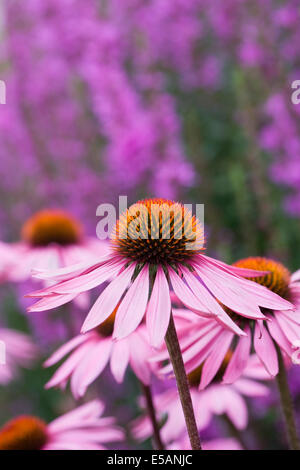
(277, 280)
(158, 231)
(107, 327)
(23, 433)
(194, 377)
(52, 226)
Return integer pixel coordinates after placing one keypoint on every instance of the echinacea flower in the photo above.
(17, 350)
(207, 342)
(217, 399)
(80, 429)
(158, 244)
(50, 239)
(92, 351)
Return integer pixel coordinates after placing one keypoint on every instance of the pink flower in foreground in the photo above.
(50, 239)
(214, 444)
(80, 429)
(217, 399)
(206, 342)
(16, 350)
(92, 351)
(158, 244)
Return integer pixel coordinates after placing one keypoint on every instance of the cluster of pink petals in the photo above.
(22, 258)
(83, 429)
(201, 290)
(17, 350)
(91, 352)
(217, 399)
(204, 340)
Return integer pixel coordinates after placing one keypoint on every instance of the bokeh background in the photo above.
(188, 100)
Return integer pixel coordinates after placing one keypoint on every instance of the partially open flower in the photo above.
(157, 245)
(91, 352)
(80, 429)
(207, 342)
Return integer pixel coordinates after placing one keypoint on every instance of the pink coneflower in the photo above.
(217, 399)
(157, 244)
(145, 264)
(50, 239)
(206, 341)
(80, 429)
(16, 350)
(92, 351)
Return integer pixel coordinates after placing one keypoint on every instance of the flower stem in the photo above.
(287, 404)
(152, 416)
(182, 384)
(238, 435)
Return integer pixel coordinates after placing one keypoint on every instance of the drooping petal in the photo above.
(66, 369)
(133, 306)
(108, 300)
(184, 293)
(265, 349)
(243, 272)
(119, 359)
(230, 293)
(139, 355)
(90, 280)
(215, 359)
(64, 350)
(90, 367)
(50, 302)
(211, 304)
(239, 359)
(280, 338)
(159, 310)
(68, 272)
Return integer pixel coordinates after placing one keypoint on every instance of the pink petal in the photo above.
(239, 359)
(280, 338)
(230, 293)
(50, 302)
(215, 359)
(66, 369)
(295, 276)
(90, 280)
(139, 355)
(133, 306)
(185, 294)
(68, 272)
(108, 300)
(64, 350)
(242, 272)
(265, 349)
(210, 302)
(119, 359)
(159, 310)
(90, 367)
